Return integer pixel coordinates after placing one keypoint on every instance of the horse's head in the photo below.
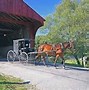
(68, 45)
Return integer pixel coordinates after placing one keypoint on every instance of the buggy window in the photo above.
(21, 44)
(27, 43)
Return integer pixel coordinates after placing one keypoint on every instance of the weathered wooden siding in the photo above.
(20, 8)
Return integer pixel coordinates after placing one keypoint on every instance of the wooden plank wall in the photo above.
(19, 8)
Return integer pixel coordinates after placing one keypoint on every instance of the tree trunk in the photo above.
(78, 62)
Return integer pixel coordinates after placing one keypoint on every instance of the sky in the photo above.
(43, 7)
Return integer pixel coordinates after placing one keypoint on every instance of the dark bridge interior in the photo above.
(9, 32)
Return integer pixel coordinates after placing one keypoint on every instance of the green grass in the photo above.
(3, 86)
(74, 63)
(87, 64)
(71, 62)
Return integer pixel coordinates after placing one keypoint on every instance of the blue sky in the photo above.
(43, 7)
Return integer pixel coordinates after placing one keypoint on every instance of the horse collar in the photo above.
(62, 45)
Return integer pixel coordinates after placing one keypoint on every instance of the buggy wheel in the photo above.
(24, 57)
(11, 56)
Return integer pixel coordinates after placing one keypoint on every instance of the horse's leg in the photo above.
(43, 60)
(36, 58)
(63, 62)
(56, 60)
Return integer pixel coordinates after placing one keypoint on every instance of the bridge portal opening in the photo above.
(8, 33)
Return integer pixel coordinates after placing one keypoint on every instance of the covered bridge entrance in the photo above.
(17, 20)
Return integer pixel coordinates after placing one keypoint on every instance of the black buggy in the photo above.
(21, 51)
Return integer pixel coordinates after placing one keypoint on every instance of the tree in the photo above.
(69, 21)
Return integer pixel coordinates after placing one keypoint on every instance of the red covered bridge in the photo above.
(17, 20)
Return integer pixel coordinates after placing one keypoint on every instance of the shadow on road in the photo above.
(76, 68)
(3, 60)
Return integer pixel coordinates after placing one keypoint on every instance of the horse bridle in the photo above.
(63, 47)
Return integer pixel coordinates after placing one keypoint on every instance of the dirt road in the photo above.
(49, 78)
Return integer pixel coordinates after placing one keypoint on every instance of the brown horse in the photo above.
(56, 50)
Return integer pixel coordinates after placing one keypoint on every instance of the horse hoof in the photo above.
(63, 67)
(55, 66)
(44, 64)
(47, 66)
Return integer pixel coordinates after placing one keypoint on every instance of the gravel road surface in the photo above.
(49, 78)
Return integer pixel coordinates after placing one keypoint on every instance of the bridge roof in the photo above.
(20, 12)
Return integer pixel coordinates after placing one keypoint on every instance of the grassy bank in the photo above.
(71, 62)
(5, 84)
